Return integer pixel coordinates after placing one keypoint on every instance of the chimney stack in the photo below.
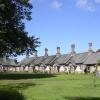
(46, 52)
(27, 55)
(35, 54)
(4, 58)
(73, 49)
(90, 48)
(58, 52)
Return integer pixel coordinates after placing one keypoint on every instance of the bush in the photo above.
(10, 94)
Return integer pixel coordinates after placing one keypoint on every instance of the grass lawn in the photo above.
(53, 87)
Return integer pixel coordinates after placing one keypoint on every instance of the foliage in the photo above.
(98, 50)
(14, 40)
(98, 61)
(10, 94)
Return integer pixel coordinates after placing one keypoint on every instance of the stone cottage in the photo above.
(72, 62)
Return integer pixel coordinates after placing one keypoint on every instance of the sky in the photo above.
(60, 23)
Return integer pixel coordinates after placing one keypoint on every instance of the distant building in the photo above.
(69, 63)
(7, 64)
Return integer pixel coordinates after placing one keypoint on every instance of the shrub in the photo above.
(10, 94)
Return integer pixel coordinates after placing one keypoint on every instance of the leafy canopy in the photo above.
(98, 50)
(14, 40)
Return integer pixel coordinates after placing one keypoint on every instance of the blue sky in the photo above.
(65, 22)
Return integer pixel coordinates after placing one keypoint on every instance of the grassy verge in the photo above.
(55, 87)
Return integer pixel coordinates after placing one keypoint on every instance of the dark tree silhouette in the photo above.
(14, 40)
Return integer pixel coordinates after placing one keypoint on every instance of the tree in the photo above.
(98, 62)
(96, 73)
(14, 40)
(98, 50)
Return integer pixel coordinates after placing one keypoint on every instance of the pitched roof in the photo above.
(12, 62)
(63, 59)
(92, 59)
(1, 61)
(7, 62)
(38, 60)
(80, 57)
(48, 60)
(52, 62)
(26, 61)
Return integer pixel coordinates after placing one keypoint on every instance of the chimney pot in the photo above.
(4, 58)
(35, 54)
(73, 49)
(58, 52)
(27, 55)
(46, 52)
(90, 48)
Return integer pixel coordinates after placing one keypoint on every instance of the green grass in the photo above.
(10, 94)
(53, 87)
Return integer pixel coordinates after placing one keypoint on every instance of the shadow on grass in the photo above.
(96, 85)
(82, 98)
(19, 86)
(16, 76)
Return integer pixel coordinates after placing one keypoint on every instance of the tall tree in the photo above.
(14, 40)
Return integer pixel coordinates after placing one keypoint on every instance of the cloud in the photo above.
(30, 1)
(40, 1)
(97, 1)
(37, 1)
(86, 4)
(91, 7)
(56, 4)
(81, 3)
